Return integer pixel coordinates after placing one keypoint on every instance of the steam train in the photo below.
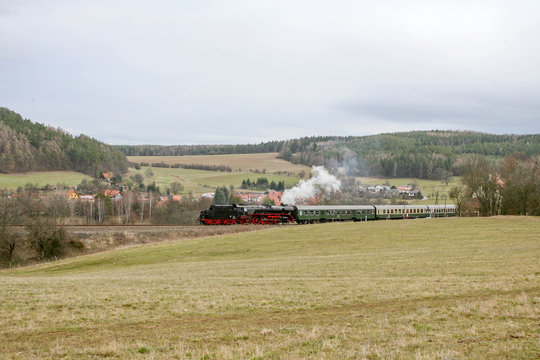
(308, 214)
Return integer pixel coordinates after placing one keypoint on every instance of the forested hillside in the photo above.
(28, 146)
(419, 154)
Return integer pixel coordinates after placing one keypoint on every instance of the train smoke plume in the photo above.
(320, 181)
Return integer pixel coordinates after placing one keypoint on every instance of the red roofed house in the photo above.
(250, 197)
(113, 194)
(404, 188)
(163, 199)
(106, 176)
(89, 198)
(72, 195)
(275, 196)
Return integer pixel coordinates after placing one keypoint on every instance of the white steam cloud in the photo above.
(320, 181)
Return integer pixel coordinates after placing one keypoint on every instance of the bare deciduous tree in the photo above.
(9, 213)
(482, 183)
(176, 187)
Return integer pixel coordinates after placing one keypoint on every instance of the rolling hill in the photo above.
(27, 146)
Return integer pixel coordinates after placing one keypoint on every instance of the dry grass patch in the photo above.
(244, 162)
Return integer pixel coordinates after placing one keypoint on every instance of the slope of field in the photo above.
(200, 181)
(69, 178)
(420, 289)
(244, 162)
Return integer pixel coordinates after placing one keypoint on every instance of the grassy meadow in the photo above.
(42, 178)
(200, 181)
(455, 288)
(242, 162)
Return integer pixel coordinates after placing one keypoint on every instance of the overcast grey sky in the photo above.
(230, 71)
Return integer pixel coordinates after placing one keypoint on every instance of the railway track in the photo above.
(123, 226)
(145, 228)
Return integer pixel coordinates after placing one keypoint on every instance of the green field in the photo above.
(243, 162)
(455, 288)
(200, 181)
(69, 178)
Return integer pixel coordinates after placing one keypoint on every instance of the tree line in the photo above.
(178, 150)
(223, 168)
(28, 146)
(263, 184)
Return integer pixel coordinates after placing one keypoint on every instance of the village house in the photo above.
(163, 199)
(113, 194)
(275, 196)
(208, 195)
(250, 197)
(391, 192)
(106, 176)
(404, 189)
(72, 195)
(89, 198)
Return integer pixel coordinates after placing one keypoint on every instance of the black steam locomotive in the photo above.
(247, 214)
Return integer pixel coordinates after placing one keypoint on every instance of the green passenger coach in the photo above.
(318, 213)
